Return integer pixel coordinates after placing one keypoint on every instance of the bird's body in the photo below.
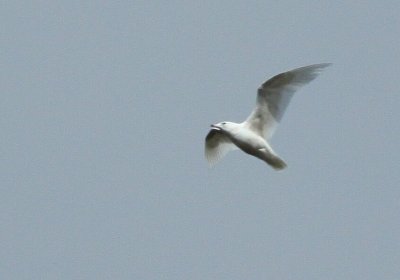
(252, 135)
(246, 139)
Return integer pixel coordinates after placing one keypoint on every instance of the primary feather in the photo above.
(274, 96)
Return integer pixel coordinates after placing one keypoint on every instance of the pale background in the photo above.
(103, 113)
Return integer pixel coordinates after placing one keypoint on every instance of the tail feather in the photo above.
(276, 162)
(271, 158)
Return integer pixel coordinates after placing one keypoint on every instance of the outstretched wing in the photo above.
(217, 146)
(274, 96)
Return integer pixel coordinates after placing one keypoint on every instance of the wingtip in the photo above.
(324, 65)
(318, 68)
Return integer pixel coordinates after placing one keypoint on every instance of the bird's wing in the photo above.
(217, 146)
(274, 96)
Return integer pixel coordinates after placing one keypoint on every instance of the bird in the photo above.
(252, 136)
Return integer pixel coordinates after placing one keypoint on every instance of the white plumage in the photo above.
(252, 135)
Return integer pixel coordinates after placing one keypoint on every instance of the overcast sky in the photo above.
(104, 110)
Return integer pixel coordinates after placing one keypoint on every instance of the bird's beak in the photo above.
(213, 126)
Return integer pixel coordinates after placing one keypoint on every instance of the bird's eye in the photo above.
(224, 123)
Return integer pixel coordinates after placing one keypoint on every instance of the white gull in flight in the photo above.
(252, 135)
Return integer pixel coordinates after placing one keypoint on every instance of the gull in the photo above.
(252, 135)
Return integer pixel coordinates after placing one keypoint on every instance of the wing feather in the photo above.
(217, 145)
(274, 96)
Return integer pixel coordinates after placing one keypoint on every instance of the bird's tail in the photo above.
(271, 158)
(276, 162)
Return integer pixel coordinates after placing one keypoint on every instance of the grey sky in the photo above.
(105, 106)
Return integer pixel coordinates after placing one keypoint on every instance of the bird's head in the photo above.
(224, 126)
